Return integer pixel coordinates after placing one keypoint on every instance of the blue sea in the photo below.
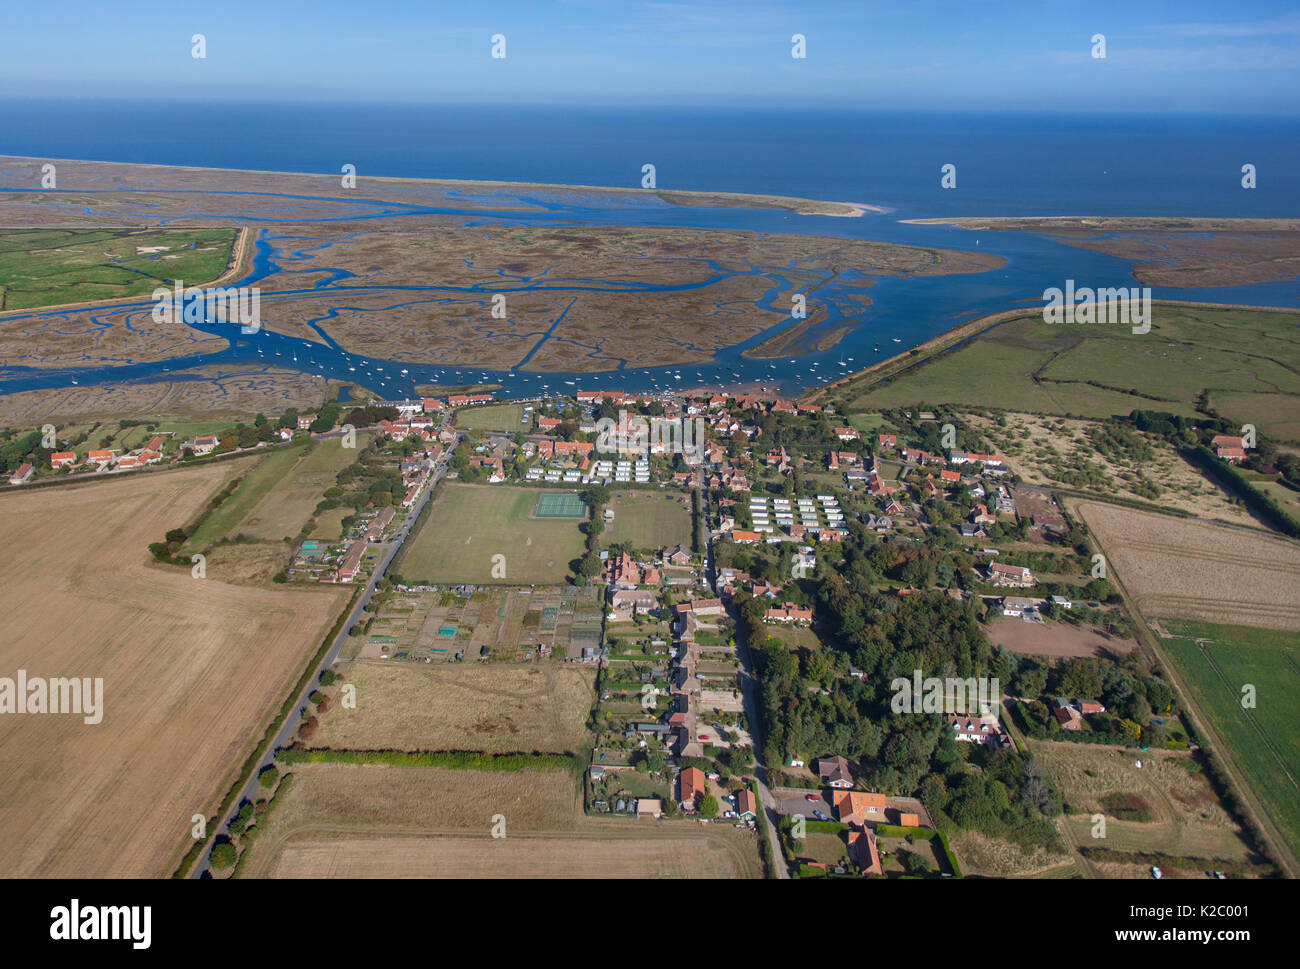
(1006, 165)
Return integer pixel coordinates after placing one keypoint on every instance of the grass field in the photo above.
(1102, 370)
(47, 267)
(287, 506)
(192, 670)
(492, 417)
(1185, 816)
(329, 524)
(469, 524)
(1217, 661)
(257, 483)
(378, 821)
(648, 519)
(1196, 570)
(463, 706)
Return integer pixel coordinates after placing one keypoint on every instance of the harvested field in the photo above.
(377, 821)
(192, 672)
(1194, 570)
(498, 708)
(1055, 639)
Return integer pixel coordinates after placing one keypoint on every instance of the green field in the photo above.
(46, 267)
(649, 519)
(1247, 360)
(1265, 741)
(285, 509)
(253, 488)
(469, 524)
(492, 417)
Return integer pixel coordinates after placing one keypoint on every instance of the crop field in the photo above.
(48, 267)
(650, 520)
(192, 671)
(1217, 661)
(470, 524)
(1056, 639)
(492, 417)
(1186, 818)
(496, 708)
(284, 509)
(347, 821)
(1194, 570)
(1105, 369)
(256, 485)
(514, 624)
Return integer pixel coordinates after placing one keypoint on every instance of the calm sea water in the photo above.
(1006, 165)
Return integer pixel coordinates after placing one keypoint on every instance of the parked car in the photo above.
(821, 817)
(812, 797)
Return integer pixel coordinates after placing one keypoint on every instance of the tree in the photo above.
(709, 806)
(223, 855)
(269, 776)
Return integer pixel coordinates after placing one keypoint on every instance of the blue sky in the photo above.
(1190, 56)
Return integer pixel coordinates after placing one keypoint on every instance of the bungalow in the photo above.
(857, 807)
(745, 538)
(691, 785)
(834, 772)
(1067, 714)
(1012, 575)
(351, 563)
(746, 804)
(677, 555)
(1089, 707)
(789, 613)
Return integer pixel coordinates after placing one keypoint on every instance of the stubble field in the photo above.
(192, 670)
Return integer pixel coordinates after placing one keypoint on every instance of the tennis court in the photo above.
(559, 504)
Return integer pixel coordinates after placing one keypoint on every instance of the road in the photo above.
(748, 687)
(290, 726)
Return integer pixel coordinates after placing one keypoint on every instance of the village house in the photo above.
(691, 786)
(63, 459)
(834, 772)
(857, 807)
(22, 474)
(1010, 575)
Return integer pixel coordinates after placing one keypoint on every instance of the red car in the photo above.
(812, 797)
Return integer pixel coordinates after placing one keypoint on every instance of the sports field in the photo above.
(1217, 662)
(650, 519)
(1236, 355)
(192, 671)
(559, 504)
(470, 524)
(492, 417)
